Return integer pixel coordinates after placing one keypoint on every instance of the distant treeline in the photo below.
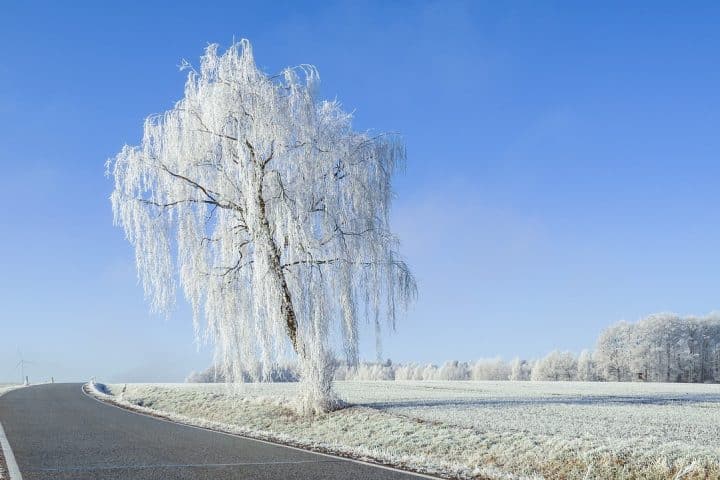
(659, 348)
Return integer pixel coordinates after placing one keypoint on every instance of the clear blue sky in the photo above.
(563, 165)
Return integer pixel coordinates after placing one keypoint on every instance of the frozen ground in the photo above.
(548, 430)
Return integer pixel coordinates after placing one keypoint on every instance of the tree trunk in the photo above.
(316, 366)
(265, 238)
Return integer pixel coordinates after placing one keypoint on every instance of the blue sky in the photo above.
(562, 170)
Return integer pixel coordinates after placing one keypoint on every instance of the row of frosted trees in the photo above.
(658, 348)
(555, 366)
(661, 348)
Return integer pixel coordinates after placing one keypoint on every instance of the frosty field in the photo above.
(550, 430)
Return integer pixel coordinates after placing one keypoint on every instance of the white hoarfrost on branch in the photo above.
(275, 213)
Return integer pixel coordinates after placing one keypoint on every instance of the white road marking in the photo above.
(181, 465)
(12, 466)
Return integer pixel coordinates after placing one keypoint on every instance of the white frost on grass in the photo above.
(658, 413)
(568, 430)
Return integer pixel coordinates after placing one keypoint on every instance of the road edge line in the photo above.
(110, 403)
(12, 466)
(8, 455)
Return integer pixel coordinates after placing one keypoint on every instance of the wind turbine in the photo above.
(22, 364)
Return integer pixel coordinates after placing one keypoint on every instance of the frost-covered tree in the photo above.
(612, 352)
(409, 371)
(586, 367)
(365, 372)
(275, 213)
(556, 366)
(662, 347)
(454, 370)
(520, 370)
(490, 369)
(210, 375)
(430, 372)
(282, 372)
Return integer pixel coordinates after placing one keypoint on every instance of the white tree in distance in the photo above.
(276, 214)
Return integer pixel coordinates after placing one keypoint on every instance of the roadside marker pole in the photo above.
(12, 466)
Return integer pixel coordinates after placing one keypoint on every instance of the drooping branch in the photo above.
(178, 202)
(227, 137)
(208, 193)
(191, 182)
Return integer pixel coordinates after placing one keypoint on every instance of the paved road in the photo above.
(56, 432)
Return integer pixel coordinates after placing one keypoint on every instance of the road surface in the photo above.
(56, 432)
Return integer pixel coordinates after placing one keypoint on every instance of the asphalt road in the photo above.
(56, 432)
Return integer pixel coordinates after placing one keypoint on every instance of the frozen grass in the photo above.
(554, 430)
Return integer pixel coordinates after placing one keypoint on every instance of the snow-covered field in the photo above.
(547, 430)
